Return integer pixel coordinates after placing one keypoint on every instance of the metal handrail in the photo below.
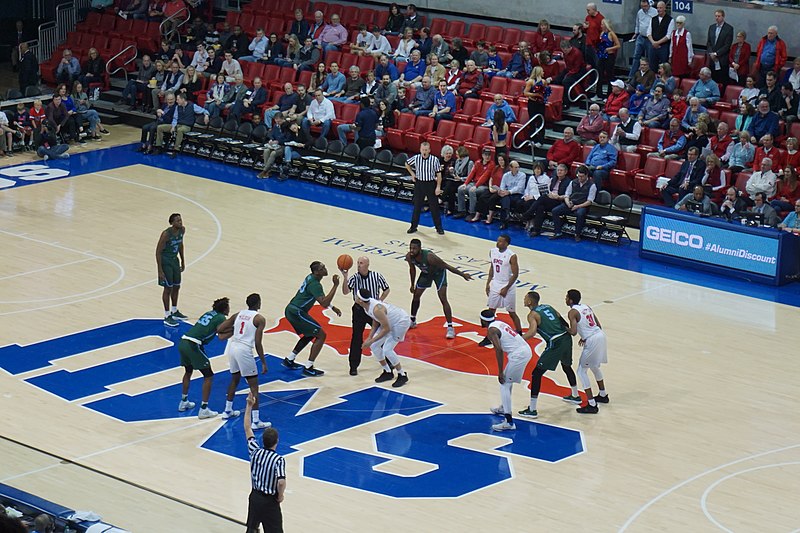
(591, 71)
(48, 40)
(66, 18)
(534, 118)
(128, 62)
(174, 29)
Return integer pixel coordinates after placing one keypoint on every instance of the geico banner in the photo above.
(729, 248)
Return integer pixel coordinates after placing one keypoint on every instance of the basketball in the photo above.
(344, 262)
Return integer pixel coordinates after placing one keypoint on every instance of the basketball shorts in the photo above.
(515, 367)
(595, 351)
(193, 355)
(172, 272)
(301, 321)
(507, 302)
(424, 281)
(395, 337)
(559, 350)
(241, 360)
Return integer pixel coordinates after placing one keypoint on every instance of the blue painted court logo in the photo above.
(424, 431)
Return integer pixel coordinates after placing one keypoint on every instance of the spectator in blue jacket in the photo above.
(414, 71)
(764, 122)
(69, 68)
(500, 104)
(705, 89)
(385, 67)
(692, 113)
(601, 160)
(333, 86)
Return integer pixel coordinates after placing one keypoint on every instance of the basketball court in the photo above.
(699, 434)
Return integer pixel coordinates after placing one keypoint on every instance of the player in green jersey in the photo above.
(552, 327)
(432, 270)
(168, 250)
(193, 354)
(296, 312)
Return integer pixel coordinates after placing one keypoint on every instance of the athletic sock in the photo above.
(509, 419)
(574, 390)
(413, 318)
(204, 405)
(291, 356)
(255, 415)
(385, 366)
(185, 398)
(399, 373)
(534, 400)
(173, 309)
(167, 314)
(603, 393)
(592, 402)
(228, 406)
(449, 324)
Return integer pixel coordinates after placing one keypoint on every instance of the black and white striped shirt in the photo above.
(373, 281)
(266, 468)
(425, 167)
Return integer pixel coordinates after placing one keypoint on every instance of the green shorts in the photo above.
(424, 281)
(172, 272)
(301, 321)
(193, 355)
(559, 350)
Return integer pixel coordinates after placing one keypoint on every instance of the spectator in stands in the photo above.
(471, 82)
(363, 40)
(499, 133)
(705, 89)
(615, 101)
(174, 13)
(93, 69)
(743, 119)
(287, 103)
(318, 78)
(714, 181)
(688, 177)
(230, 67)
(487, 202)
(237, 95)
(191, 84)
(172, 82)
(303, 99)
(527, 63)
(291, 56)
(200, 58)
(453, 75)
(591, 125)
(440, 47)
(655, 111)
(750, 92)
(499, 104)
(627, 132)
(764, 122)
(182, 121)
(257, 47)
(770, 54)
(454, 172)
(353, 86)
(21, 122)
(576, 67)
(550, 66)
(386, 91)
(380, 44)
(138, 9)
(68, 68)
(659, 33)
(364, 128)
(544, 39)
(165, 52)
(641, 31)
(413, 19)
(213, 36)
(593, 25)
(680, 48)
(607, 48)
(665, 80)
(601, 160)
(764, 180)
(299, 28)
(792, 221)
(578, 198)
(306, 57)
(479, 55)
(718, 144)
(457, 51)
(792, 154)
(679, 106)
(334, 84)
(718, 47)
(537, 91)
(395, 23)
(566, 150)
(741, 154)
(320, 113)
(333, 36)
(385, 121)
(414, 71)
(370, 84)
(237, 43)
(435, 71)
(739, 57)
(274, 53)
(494, 63)
(163, 116)
(733, 205)
(696, 201)
(672, 142)
(547, 200)
(423, 99)
(761, 206)
(444, 104)
(476, 184)
(771, 92)
(792, 75)
(218, 95)
(538, 185)
(637, 101)
(788, 192)
(405, 46)
(512, 187)
(279, 135)
(385, 67)
(578, 41)
(59, 121)
(699, 137)
(214, 63)
(693, 112)
(643, 76)
(178, 58)
(28, 68)
(788, 104)
(316, 29)
(137, 85)
(84, 112)
(514, 67)
(424, 42)
(196, 33)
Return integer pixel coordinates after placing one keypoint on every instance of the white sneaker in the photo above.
(230, 414)
(503, 426)
(497, 411)
(260, 425)
(185, 406)
(451, 333)
(206, 413)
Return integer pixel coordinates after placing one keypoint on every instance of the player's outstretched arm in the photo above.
(434, 260)
(248, 409)
(533, 325)
(326, 300)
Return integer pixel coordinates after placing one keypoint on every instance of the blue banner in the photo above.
(728, 248)
(683, 6)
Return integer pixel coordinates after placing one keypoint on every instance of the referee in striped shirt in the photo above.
(426, 173)
(267, 477)
(364, 278)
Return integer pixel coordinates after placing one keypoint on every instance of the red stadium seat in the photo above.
(477, 32)
(472, 107)
(494, 34)
(645, 181)
(731, 94)
(456, 28)
(649, 140)
(395, 136)
(496, 86)
(621, 178)
(413, 139)
(438, 26)
(481, 137)
(444, 131)
(345, 115)
(463, 132)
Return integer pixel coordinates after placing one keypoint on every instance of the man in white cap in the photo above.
(389, 327)
(505, 339)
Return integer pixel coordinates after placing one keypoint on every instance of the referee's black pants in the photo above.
(264, 510)
(423, 189)
(360, 320)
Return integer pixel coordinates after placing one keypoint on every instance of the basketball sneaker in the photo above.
(260, 425)
(504, 426)
(587, 410)
(385, 376)
(288, 363)
(601, 399)
(206, 413)
(313, 372)
(180, 316)
(413, 324)
(497, 411)
(572, 399)
(171, 322)
(451, 333)
(230, 414)
(401, 380)
(185, 406)
(529, 413)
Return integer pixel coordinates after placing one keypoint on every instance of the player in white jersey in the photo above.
(389, 327)
(583, 322)
(506, 340)
(248, 329)
(503, 274)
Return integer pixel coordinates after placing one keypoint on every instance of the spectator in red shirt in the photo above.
(544, 39)
(576, 66)
(719, 143)
(550, 67)
(679, 105)
(592, 24)
(566, 150)
(591, 125)
(616, 100)
(767, 149)
(471, 82)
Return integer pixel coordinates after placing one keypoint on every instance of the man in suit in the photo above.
(762, 206)
(718, 46)
(683, 183)
(28, 68)
(19, 36)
